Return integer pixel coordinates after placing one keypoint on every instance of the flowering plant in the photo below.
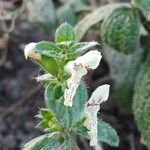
(68, 110)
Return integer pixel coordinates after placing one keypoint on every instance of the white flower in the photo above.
(78, 68)
(44, 77)
(92, 107)
(29, 51)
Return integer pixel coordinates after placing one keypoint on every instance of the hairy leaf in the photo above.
(68, 116)
(42, 142)
(107, 134)
(120, 30)
(141, 101)
(64, 33)
(50, 65)
(82, 46)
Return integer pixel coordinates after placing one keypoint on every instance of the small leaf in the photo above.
(45, 113)
(68, 116)
(107, 134)
(142, 4)
(50, 65)
(48, 49)
(49, 122)
(41, 142)
(64, 33)
(82, 46)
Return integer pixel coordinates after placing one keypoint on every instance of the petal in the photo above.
(91, 109)
(78, 68)
(29, 51)
(89, 60)
(73, 83)
(100, 95)
(91, 122)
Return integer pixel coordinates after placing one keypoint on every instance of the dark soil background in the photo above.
(21, 96)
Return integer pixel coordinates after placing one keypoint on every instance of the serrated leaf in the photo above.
(48, 49)
(142, 4)
(66, 115)
(41, 142)
(50, 65)
(94, 17)
(107, 134)
(45, 113)
(64, 33)
(82, 46)
(120, 30)
(49, 122)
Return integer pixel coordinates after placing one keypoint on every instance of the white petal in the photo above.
(91, 109)
(29, 51)
(45, 77)
(73, 83)
(89, 60)
(78, 68)
(91, 122)
(100, 95)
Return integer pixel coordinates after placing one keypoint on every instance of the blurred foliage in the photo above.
(45, 15)
(122, 25)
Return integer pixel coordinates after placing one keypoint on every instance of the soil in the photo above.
(21, 96)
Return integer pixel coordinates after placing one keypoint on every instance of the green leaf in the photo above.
(120, 30)
(94, 17)
(42, 142)
(80, 129)
(45, 113)
(107, 134)
(64, 33)
(48, 49)
(50, 65)
(49, 122)
(82, 46)
(69, 144)
(142, 4)
(68, 116)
